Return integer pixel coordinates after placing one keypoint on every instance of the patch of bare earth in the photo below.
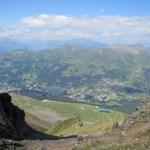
(46, 115)
(62, 144)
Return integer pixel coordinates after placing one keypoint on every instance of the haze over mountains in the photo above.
(7, 44)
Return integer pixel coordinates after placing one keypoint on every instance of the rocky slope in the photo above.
(133, 134)
(12, 124)
(16, 134)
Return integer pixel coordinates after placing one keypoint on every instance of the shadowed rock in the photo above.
(12, 122)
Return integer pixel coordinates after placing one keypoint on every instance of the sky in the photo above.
(109, 21)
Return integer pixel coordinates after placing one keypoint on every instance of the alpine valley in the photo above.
(116, 76)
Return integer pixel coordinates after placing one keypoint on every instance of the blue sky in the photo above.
(120, 21)
(12, 10)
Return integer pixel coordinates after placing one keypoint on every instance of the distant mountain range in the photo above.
(135, 48)
(7, 44)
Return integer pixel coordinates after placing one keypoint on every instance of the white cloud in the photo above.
(11, 32)
(100, 28)
(47, 20)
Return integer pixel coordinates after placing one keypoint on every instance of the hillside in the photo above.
(61, 118)
(14, 127)
(91, 75)
(134, 133)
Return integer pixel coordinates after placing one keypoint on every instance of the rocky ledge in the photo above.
(12, 123)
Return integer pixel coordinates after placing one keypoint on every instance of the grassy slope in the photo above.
(133, 135)
(79, 118)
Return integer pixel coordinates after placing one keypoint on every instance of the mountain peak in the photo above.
(133, 48)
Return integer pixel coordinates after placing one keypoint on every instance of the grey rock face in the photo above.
(12, 123)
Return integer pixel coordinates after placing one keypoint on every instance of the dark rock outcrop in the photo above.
(13, 126)
(11, 145)
(12, 123)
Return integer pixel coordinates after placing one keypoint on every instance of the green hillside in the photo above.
(134, 134)
(86, 74)
(61, 118)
